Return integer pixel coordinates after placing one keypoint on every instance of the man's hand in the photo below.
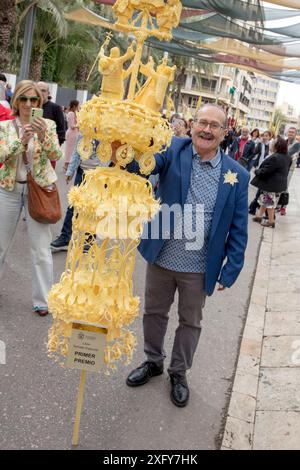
(220, 287)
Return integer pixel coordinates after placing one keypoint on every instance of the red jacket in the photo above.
(5, 113)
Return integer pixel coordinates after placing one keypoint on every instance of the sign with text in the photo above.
(86, 347)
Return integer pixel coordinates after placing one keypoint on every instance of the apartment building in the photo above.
(292, 118)
(226, 86)
(263, 102)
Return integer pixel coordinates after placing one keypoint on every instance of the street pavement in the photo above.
(37, 396)
(264, 412)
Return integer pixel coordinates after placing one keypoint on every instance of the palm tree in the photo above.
(50, 25)
(8, 20)
(46, 33)
(278, 122)
(76, 54)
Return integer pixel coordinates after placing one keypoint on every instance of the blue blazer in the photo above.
(228, 236)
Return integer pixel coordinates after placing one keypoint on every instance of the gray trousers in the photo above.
(161, 285)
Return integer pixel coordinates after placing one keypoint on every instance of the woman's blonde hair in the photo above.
(22, 88)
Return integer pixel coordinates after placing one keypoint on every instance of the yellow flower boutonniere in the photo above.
(230, 178)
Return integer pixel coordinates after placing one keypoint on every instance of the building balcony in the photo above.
(242, 107)
(262, 107)
(210, 95)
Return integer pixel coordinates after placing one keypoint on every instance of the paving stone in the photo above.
(281, 300)
(248, 364)
(242, 407)
(277, 430)
(246, 384)
(283, 260)
(251, 347)
(281, 351)
(238, 434)
(253, 333)
(282, 323)
(283, 272)
(256, 315)
(286, 247)
(259, 295)
(291, 285)
(279, 389)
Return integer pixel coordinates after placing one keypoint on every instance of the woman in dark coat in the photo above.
(271, 179)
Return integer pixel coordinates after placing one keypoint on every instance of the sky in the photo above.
(289, 92)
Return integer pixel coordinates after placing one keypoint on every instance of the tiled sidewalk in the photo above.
(264, 411)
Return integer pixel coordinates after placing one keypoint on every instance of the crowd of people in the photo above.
(208, 163)
(253, 150)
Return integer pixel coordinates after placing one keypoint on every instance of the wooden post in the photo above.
(78, 408)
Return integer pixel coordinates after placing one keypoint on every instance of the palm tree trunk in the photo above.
(36, 63)
(179, 80)
(82, 72)
(8, 19)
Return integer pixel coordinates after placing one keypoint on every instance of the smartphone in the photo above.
(35, 113)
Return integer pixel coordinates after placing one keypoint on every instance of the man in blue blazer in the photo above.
(210, 187)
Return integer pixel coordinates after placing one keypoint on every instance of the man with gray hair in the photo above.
(194, 173)
(53, 111)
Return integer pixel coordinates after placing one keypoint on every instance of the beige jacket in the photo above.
(11, 146)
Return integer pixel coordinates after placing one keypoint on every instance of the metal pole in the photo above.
(27, 43)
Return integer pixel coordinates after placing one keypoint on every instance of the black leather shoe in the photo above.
(143, 374)
(180, 391)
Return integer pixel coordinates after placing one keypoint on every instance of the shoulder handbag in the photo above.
(243, 161)
(43, 203)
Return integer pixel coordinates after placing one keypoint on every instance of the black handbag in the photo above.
(283, 199)
(243, 161)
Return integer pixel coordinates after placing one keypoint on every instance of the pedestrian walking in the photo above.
(38, 144)
(194, 174)
(262, 151)
(72, 132)
(79, 167)
(271, 179)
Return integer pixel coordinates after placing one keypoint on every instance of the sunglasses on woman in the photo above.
(32, 99)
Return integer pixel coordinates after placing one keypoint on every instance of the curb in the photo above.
(239, 428)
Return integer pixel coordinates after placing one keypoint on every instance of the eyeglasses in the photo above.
(32, 99)
(214, 126)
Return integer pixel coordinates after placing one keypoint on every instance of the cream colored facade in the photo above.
(215, 88)
(263, 102)
(292, 118)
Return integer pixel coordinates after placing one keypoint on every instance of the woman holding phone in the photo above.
(35, 140)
